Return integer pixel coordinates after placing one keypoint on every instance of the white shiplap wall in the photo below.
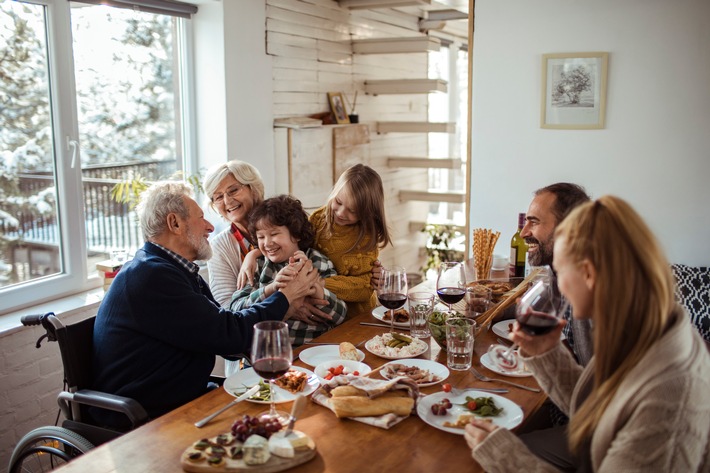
(310, 42)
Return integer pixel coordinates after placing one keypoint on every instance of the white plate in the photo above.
(314, 356)
(394, 353)
(501, 329)
(437, 369)
(244, 379)
(511, 416)
(520, 373)
(349, 366)
(379, 313)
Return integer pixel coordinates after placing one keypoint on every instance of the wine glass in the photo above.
(537, 312)
(451, 283)
(392, 290)
(271, 357)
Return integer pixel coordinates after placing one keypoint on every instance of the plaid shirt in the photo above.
(299, 331)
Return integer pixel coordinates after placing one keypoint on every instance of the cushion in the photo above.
(693, 292)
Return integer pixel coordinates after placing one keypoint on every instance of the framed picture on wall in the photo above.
(574, 90)
(337, 106)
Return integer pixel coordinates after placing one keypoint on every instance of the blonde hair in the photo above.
(633, 297)
(243, 172)
(364, 186)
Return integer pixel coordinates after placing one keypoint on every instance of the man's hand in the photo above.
(302, 283)
(308, 312)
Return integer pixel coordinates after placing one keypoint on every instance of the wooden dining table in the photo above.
(342, 445)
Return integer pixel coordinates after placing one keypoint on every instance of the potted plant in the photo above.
(440, 245)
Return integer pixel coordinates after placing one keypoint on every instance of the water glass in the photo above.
(478, 300)
(459, 343)
(421, 305)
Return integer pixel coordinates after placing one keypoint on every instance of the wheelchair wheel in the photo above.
(46, 448)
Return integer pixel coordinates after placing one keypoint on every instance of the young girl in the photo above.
(284, 234)
(350, 229)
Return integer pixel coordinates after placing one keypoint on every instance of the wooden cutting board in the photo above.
(275, 463)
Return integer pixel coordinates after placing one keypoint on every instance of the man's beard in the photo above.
(202, 246)
(543, 255)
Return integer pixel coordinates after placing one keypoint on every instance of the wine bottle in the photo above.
(518, 251)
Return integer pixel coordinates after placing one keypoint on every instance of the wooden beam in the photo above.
(431, 163)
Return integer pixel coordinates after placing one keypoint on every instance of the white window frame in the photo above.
(75, 276)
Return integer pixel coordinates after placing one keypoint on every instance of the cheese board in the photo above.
(199, 457)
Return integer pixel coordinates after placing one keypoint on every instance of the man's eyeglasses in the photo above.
(218, 199)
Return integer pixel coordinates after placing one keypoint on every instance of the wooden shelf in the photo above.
(414, 44)
(430, 163)
(405, 86)
(416, 127)
(426, 196)
(373, 4)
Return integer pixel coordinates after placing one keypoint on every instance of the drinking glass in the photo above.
(392, 290)
(460, 333)
(421, 305)
(451, 283)
(271, 357)
(537, 312)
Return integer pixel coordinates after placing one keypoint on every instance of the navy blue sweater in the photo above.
(158, 330)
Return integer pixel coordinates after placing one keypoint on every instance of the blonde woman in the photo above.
(642, 402)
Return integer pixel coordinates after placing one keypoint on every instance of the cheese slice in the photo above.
(256, 450)
(285, 446)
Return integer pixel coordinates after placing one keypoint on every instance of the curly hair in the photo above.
(284, 211)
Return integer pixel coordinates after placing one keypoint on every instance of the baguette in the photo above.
(360, 406)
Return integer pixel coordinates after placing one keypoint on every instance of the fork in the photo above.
(458, 391)
(484, 378)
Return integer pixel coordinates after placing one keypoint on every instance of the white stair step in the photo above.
(431, 163)
(405, 86)
(416, 127)
(414, 44)
(426, 196)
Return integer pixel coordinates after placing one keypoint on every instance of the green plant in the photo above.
(130, 190)
(439, 246)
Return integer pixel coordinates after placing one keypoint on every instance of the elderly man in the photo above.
(159, 327)
(548, 208)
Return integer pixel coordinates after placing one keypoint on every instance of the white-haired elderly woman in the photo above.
(233, 188)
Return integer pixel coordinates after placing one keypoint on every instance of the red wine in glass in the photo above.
(271, 368)
(537, 323)
(392, 290)
(450, 295)
(392, 300)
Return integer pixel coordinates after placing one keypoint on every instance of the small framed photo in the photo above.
(574, 90)
(337, 106)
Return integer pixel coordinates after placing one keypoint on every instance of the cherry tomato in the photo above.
(471, 405)
(356, 373)
(338, 370)
(328, 376)
(446, 387)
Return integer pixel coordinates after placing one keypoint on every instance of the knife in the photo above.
(249, 393)
(298, 404)
(383, 325)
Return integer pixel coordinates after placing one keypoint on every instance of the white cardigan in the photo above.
(224, 266)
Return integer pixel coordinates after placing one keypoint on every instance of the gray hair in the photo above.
(243, 172)
(160, 200)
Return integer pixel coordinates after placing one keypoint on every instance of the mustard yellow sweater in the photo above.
(352, 284)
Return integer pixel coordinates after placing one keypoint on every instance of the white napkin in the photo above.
(373, 388)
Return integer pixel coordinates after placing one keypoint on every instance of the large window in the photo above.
(91, 95)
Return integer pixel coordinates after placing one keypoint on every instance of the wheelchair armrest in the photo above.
(130, 407)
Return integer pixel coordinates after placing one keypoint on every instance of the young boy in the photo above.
(284, 234)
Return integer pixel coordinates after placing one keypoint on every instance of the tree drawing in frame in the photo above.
(574, 90)
(337, 106)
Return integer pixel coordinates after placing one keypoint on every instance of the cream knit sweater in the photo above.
(659, 420)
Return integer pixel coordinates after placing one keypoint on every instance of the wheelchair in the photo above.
(46, 448)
